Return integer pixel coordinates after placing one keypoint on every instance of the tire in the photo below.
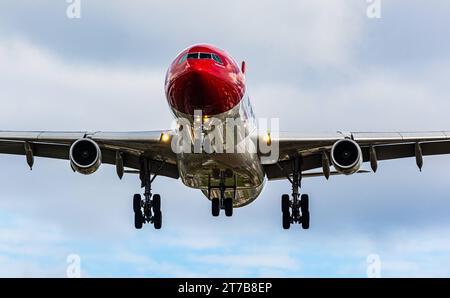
(156, 203)
(305, 220)
(138, 220)
(285, 200)
(157, 220)
(137, 203)
(215, 207)
(304, 203)
(286, 220)
(228, 202)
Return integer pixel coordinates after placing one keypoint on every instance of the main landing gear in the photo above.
(225, 203)
(295, 210)
(147, 210)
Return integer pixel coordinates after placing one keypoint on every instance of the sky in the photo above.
(317, 65)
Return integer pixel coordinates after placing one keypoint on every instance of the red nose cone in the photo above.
(213, 86)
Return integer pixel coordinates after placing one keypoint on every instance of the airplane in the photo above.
(204, 83)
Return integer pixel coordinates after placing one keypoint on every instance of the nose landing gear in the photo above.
(295, 210)
(223, 202)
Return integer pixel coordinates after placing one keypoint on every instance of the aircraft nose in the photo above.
(201, 85)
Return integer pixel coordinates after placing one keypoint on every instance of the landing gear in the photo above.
(215, 206)
(228, 206)
(147, 210)
(156, 202)
(295, 210)
(137, 200)
(304, 207)
(286, 220)
(223, 202)
(285, 205)
(157, 220)
(138, 220)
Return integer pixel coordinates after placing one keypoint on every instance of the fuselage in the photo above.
(204, 80)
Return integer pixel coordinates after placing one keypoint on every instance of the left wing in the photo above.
(374, 147)
(131, 145)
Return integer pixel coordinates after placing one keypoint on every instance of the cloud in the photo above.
(35, 85)
(27, 251)
(373, 99)
(314, 33)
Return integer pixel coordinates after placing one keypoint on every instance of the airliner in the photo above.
(203, 85)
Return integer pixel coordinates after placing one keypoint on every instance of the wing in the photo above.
(383, 145)
(131, 145)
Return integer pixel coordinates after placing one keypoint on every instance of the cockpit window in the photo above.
(183, 58)
(192, 56)
(205, 56)
(212, 56)
(217, 58)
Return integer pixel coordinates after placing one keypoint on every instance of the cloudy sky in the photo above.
(318, 65)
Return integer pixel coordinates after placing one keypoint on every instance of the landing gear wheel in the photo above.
(157, 220)
(138, 220)
(286, 220)
(228, 204)
(285, 203)
(137, 203)
(215, 207)
(304, 203)
(156, 203)
(305, 220)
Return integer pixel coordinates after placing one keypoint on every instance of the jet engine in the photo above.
(346, 156)
(85, 156)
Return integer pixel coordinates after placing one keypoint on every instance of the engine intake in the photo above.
(85, 156)
(346, 156)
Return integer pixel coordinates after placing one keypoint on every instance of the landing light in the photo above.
(267, 139)
(165, 137)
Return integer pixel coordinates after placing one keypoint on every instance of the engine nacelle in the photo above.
(346, 156)
(85, 156)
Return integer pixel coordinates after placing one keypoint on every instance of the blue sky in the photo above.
(317, 65)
